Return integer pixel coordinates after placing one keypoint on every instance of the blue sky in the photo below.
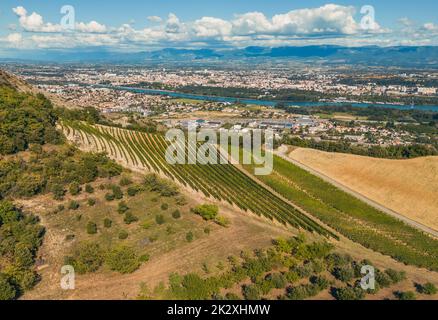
(137, 25)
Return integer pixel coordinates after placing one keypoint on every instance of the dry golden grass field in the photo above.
(409, 187)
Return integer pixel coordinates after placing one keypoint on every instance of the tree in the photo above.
(123, 259)
(176, 214)
(73, 205)
(427, 288)
(86, 257)
(107, 223)
(159, 219)
(189, 236)
(207, 211)
(91, 228)
(122, 207)
(109, 197)
(129, 218)
(123, 234)
(118, 194)
(75, 189)
(89, 189)
(405, 295)
(58, 192)
(250, 292)
(7, 289)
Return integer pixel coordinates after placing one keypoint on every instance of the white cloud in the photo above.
(430, 26)
(155, 19)
(208, 27)
(34, 22)
(14, 38)
(328, 24)
(91, 27)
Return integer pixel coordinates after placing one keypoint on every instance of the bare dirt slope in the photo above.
(409, 187)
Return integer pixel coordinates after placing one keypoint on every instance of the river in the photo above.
(267, 103)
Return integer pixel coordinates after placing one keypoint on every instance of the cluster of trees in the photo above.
(280, 267)
(25, 119)
(391, 152)
(89, 257)
(52, 171)
(163, 187)
(20, 237)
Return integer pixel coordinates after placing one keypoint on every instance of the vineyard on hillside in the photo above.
(351, 217)
(223, 182)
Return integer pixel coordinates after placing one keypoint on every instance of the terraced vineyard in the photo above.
(223, 182)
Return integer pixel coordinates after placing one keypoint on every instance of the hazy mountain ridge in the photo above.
(420, 56)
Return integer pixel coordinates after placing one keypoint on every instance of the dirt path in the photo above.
(282, 153)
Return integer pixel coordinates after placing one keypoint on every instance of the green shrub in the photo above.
(159, 219)
(125, 181)
(176, 214)
(144, 258)
(123, 259)
(206, 211)
(164, 206)
(75, 189)
(344, 273)
(395, 276)
(91, 228)
(58, 192)
(222, 221)
(189, 236)
(250, 292)
(407, 295)
(383, 279)
(349, 293)
(73, 205)
(7, 289)
(129, 218)
(107, 223)
(61, 207)
(117, 191)
(427, 288)
(133, 191)
(207, 230)
(123, 235)
(278, 280)
(109, 196)
(146, 224)
(89, 189)
(86, 257)
(122, 207)
(91, 202)
(321, 282)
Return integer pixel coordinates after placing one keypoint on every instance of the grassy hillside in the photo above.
(393, 183)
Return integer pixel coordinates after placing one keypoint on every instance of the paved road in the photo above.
(281, 153)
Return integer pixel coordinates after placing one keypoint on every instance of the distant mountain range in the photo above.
(422, 56)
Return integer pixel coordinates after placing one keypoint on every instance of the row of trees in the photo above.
(391, 152)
